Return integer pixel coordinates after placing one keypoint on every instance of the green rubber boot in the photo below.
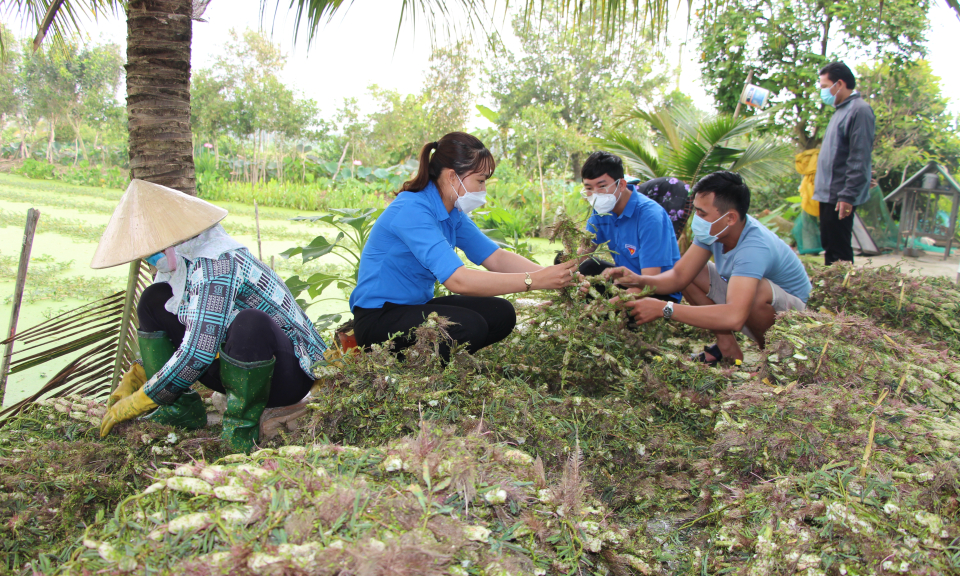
(247, 386)
(188, 410)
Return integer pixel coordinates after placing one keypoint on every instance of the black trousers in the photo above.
(479, 322)
(835, 234)
(594, 267)
(252, 337)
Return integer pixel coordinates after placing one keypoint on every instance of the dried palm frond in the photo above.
(93, 331)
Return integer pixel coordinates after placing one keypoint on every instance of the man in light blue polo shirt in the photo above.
(637, 230)
(754, 275)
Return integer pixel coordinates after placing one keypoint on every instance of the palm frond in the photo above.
(764, 158)
(661, 119)
(611, 15)
(640, 156)
(58, 18)
(687, 120)
(688, 160)
(723, 127)
(955, 5)
(91, 332)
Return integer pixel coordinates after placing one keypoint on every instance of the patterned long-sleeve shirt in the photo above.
(216, 291)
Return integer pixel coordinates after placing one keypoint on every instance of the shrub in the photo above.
(37, 169)
(83, 173)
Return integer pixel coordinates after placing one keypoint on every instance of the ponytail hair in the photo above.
(459, 151)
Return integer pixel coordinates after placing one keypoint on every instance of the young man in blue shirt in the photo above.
(754, 275)
(637, 230)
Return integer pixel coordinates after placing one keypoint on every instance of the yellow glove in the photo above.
(132, 381)
(130, 407)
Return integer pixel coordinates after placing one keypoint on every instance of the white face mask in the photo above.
(603, 203)
(470, 201)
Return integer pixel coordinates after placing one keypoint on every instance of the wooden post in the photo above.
(256, 215)
(33, 216)
(132, 278)
(736, 111)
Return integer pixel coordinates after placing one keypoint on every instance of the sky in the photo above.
(361, 46)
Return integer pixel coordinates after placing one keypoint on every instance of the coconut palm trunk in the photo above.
(159, 34)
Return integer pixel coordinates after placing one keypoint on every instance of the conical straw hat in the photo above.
(150, 218)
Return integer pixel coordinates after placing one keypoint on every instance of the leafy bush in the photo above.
(97, 175)
(83, 173)
(320, 195)
(514, 208)
(37, 169)
(354, 226)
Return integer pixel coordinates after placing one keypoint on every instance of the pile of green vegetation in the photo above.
(927, 307)
(833, 451)
(802, 451)
(433, 503)
(57, 476)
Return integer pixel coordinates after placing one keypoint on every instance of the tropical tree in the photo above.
(913, 124)
(159, 33)
(686, 145)
(584, 76)
(784, 43)
(60, 89)
(242, 94)
(405, 123)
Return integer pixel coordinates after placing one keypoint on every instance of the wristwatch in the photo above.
(528, 281)
(668, 310)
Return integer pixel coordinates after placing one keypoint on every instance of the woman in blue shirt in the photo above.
(412, 246)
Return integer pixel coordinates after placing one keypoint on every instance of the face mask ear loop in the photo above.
(724, 228)
(171, 255)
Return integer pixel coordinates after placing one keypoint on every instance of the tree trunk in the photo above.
(340, 162)
(825, 39)
(159, 33)
(50, 142)
(543, 191)
(576, 165)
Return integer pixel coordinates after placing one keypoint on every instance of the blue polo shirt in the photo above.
(411, 246)
(760, 254)
(641, 237)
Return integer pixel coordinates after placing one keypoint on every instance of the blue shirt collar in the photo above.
(439, 209)
(631, 206)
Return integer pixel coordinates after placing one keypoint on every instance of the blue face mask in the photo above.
(152, 260)
(828, 97)
(701, 229)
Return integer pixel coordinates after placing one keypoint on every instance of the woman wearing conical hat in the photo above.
(214, 314)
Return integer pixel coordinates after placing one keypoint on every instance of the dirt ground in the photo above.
(930, 264)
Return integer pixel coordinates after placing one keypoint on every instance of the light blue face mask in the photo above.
(828, 97)
(701, 229)
(152, 260)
